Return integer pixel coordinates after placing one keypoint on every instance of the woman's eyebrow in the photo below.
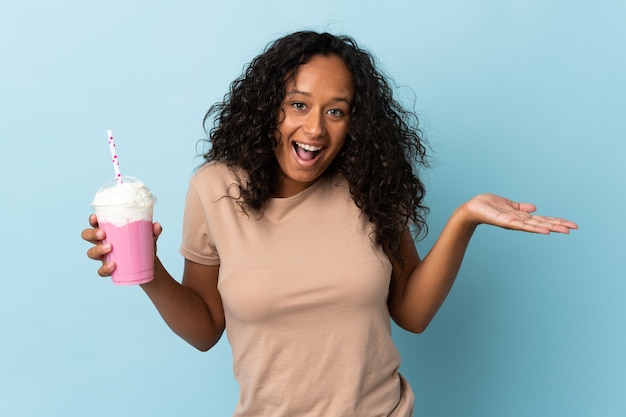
(307, 94)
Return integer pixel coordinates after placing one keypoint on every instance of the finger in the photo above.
(527, 224)
(99, 252)
(157, 229)
(560, 229)
(533, 227)
(526, 207)
(563, 227)
(539, 225)
(93, 220)
(106, 269)
(93, 235)
(556, 224)
(553, 227)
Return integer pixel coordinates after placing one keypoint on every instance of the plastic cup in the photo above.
(124, 212)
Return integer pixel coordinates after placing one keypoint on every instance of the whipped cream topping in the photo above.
(123, 203)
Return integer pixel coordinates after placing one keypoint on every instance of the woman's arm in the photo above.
(193, 309)
(419, 288)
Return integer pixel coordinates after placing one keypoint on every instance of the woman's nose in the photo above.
(314, 124)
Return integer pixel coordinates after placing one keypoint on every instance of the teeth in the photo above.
(309, 148)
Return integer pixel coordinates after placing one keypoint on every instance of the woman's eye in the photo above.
(335, 112)
(298, 106)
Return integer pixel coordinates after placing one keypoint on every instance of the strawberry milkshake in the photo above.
(124, 211)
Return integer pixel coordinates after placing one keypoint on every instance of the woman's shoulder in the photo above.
(216, 172)
(217, 175)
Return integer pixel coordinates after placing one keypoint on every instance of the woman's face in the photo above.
(314, 121)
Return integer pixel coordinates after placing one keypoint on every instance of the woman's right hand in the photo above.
(98, 252)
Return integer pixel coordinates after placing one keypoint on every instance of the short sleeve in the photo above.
(197, 243)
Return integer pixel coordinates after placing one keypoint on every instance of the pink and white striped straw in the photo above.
(116, 162)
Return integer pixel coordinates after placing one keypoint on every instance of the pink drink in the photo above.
(133, 251)
(124, 212)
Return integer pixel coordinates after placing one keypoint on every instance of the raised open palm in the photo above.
(499, 211)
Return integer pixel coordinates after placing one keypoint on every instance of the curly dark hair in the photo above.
(384, 147)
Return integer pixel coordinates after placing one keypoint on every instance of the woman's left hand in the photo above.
(498, 211)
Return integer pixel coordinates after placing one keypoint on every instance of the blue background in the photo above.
(521, 98)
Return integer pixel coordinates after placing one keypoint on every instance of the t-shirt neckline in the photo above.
(286, 201)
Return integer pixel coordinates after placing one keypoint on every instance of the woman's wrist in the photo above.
(466, 217)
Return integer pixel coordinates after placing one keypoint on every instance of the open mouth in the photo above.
(306, 152)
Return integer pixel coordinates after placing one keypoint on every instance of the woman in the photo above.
(297, 236)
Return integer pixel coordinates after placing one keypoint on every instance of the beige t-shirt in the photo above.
(305, 296)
